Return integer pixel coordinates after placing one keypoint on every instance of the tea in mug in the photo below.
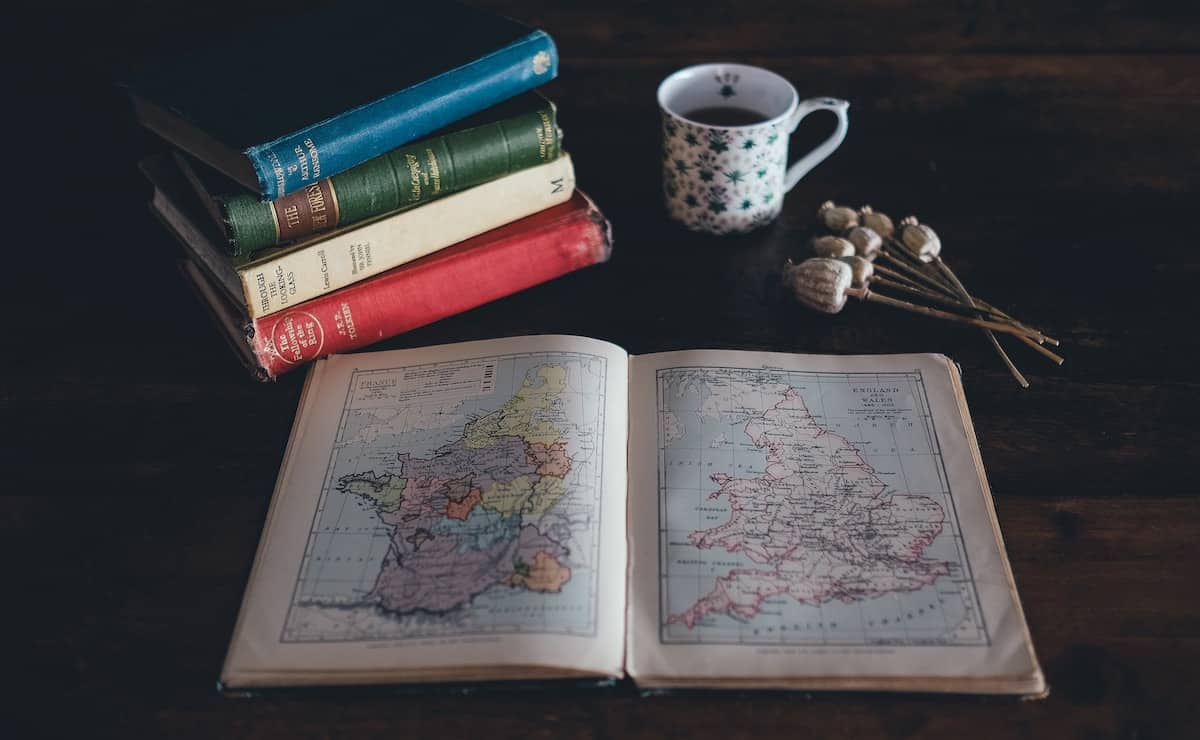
(725, 115)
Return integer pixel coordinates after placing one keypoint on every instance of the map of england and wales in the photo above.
(817, 523)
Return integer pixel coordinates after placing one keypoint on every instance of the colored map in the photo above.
(807, 508)
(461, 498)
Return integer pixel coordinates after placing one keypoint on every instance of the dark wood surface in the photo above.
(1053, 144)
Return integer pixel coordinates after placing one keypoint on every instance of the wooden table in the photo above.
(1054, 148)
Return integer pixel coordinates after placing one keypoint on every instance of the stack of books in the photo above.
(407, 171)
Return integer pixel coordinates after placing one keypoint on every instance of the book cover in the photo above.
(347, 83)
(495, 264)
(285, 278)
(514, 135)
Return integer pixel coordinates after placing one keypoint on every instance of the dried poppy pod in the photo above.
(832, 246)
(819, 283)
(907, 248)
(876, 221)
(838, 219)
(861, 270)
(921, 240)
(867, 242)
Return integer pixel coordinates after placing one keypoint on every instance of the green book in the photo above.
(513, 136)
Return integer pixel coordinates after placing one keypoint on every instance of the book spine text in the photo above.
(330, 147)
(512, 258)
(402, 178)
(346, 257)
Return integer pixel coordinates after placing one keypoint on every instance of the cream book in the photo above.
(283, 278)
(554, 507)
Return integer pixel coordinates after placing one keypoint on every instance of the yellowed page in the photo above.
(444, 508)
(814, 521)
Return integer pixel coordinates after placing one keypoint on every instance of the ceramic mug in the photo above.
(732, 178)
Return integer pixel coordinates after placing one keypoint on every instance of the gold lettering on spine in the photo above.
(414, 177)
(312, 209)
(348, 321)
(291, 216)
(434, 171)
(316, 207)
(545, 137)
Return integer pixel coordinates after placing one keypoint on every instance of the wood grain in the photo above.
(1052, 145)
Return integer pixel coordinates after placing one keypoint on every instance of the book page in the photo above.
(813, 521)
(446, 508)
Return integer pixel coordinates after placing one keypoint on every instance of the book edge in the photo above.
(167, 212)
(232, 326)
(1037, 676)
(307, 394)
(261, 166)
(197, 143)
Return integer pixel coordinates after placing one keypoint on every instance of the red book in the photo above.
(495, 264)
(492, 265)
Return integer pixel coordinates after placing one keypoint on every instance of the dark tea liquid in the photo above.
(725, 115)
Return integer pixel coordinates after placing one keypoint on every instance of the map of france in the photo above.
(460, 498)
(455, 534)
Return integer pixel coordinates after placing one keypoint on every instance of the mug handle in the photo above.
(818, 155)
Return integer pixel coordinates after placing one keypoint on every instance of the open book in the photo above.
(549, 507)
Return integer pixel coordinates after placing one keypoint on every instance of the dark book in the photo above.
(350, 82)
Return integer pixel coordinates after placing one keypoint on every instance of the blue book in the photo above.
(315, 94)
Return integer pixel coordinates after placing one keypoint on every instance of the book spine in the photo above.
(343, 258)
(402, 178)
(501, 262)
(336, 144)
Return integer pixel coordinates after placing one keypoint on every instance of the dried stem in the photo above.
(998, 312)
(962, 291)
(929, 295)
(898, 276)
(1056, 359)
(867, 294)
(896, 281)
(948, 288)
(1008, 363)
(916, 274)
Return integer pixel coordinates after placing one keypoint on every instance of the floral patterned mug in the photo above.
(732, 178)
